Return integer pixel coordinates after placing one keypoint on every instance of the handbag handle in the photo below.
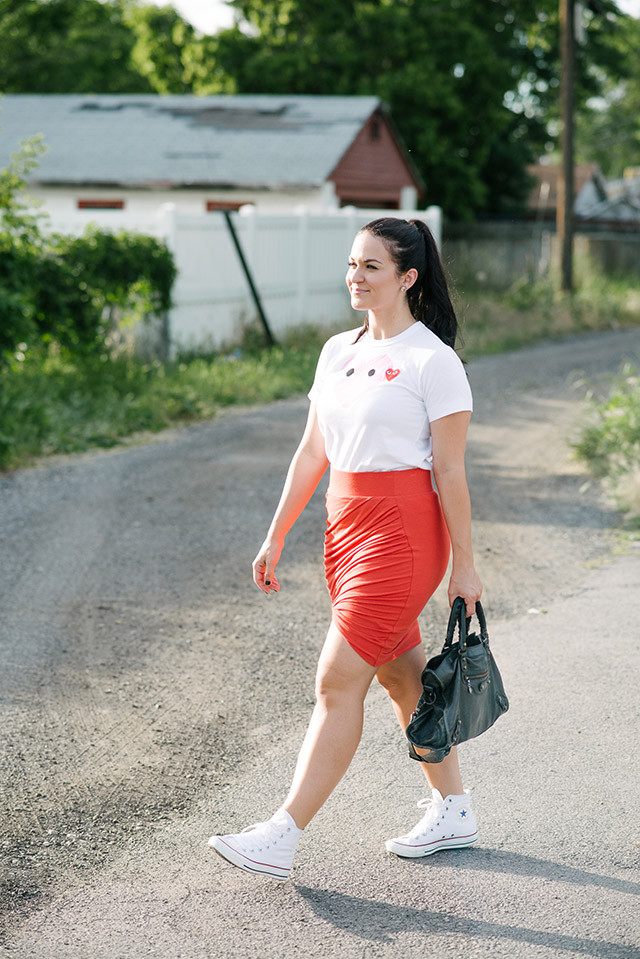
(458, 618)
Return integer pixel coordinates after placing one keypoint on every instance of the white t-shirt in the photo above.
(375, 399)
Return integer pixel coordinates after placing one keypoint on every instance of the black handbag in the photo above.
(462, 691)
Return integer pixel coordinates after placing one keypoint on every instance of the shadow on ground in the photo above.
(380, 921)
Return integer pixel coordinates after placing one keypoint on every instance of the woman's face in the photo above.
(371, 277)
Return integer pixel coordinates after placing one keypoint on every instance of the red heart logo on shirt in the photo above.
(391, 374)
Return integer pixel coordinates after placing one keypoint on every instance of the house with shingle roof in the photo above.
(599, 203)
(132, 152)
(611, 204)
(543, 196)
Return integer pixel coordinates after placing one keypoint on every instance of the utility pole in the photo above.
(564, 214)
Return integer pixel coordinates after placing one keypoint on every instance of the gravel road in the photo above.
(151, 695)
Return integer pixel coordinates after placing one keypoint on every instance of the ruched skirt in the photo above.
(386, 551)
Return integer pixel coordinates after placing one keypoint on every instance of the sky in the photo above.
(206, 15)
(211, 15)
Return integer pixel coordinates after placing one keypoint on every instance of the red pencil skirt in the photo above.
(386, 551)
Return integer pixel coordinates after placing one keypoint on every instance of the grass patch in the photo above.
(53, 404)
(610, 444)
(530, 312)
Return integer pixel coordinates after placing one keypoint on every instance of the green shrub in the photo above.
(610, 445)
(71, 290)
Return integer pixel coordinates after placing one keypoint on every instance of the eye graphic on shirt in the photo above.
(355, 379)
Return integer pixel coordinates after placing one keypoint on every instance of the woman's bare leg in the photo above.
(401, 679)
(332, 738)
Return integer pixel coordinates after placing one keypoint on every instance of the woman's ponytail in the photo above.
(429, 299)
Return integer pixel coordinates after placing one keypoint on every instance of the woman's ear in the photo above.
(409, 278)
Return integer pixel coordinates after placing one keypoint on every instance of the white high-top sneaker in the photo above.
(447, 824)
(267, 848)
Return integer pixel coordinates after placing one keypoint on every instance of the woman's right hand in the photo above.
(264, 566)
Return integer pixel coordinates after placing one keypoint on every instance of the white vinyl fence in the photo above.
(298, 261)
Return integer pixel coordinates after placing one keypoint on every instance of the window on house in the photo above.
(100, 204)
(213, 206)
(375, 128)
(370, 203)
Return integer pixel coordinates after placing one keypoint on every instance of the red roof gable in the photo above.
(375, 168)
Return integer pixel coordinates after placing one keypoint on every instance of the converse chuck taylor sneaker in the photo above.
(266, 849)
(447, 824)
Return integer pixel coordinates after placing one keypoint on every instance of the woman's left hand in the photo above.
(465, 582)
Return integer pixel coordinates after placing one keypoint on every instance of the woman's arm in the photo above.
(305, 472)
(449, 436)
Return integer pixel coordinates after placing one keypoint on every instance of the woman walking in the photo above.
(390, 405)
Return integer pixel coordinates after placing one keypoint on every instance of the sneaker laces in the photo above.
(434, 807)
(273, 832)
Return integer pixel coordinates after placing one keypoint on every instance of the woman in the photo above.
(390, 404)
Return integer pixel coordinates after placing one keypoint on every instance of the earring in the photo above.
(404, 289)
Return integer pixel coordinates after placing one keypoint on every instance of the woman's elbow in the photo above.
(447, 473)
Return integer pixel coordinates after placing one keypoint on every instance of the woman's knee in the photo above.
(395, 688)
(399, 679)
(390, 677)
(333, 688)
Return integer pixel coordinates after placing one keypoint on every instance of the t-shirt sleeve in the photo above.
(446, 388)
(321, 367)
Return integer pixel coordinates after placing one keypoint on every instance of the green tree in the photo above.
(608, 130)
(66, 46)
(100, 46)
(166, 48)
